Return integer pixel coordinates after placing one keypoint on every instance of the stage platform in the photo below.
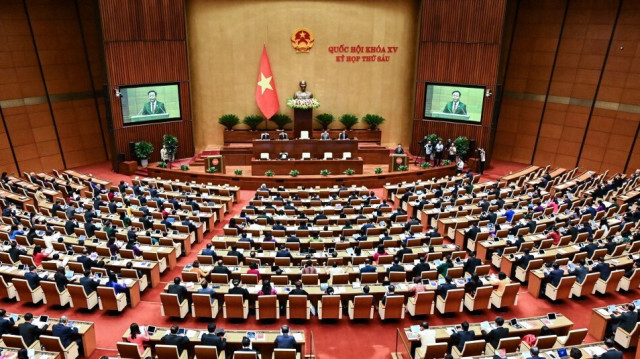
(249, 181)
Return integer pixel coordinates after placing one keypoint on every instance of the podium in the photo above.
(449, 116)
(395, 161)
(141, 118)
(215, 162)
(302, 121)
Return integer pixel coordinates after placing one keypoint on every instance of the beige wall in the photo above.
(225, 43)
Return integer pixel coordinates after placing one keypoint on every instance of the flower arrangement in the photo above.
(425, 165)
(162, 164)
(349, 172)
(446, 162)
(294, 173)
(269, 173)
(325, 172)
(378, 170)
(238, 172)
(403, 168)
(184, 167)
(303, 104)
(212, 170)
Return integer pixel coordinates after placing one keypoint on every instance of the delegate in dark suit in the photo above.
(33, 279)
(471, 264)
(64, 332)
(609, 354)
(285, 342)
(604, 269)
(444, 288)
(460, 108)
(30, 333)
(89, 284)
(179, 341)
(462, 336)
(181, 291)
(5, 325)
(159, 108)
(554, 277)
(626, 320)
(214, 340)
(494, 336)
(580, 273)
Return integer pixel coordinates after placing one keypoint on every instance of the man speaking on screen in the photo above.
(455, 106)
(154, 106)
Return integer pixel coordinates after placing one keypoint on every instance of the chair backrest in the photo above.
(219, 278)
(452, 300)
(249, 278)
(268, 306)
(235, 305)
(51, 293)
(331, 306)
(362, 306)
(482, 297)
(510, 294)
(341, 278)
(534, 264)
(435, 351)
(395, 277)
(482, 269)
(206, 351)
(108, 298)
(51, 344)
(613, 280)
(546, 341)
(510, 345)
(128, 350)
(575, 337)
(244, 355)
(369, 278)
(201, 305)
(14, 341)
(22, 286)
(310, 279)
(474, 347)
(589, 282)
(284, 353)
(167, 351)
(564, 287)
(298, 306)
(455, 272)
(394, 306)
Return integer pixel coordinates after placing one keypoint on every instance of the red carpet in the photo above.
(343, 339)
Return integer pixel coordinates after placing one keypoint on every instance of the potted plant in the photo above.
(446, 162)
(238, 172)
(269, 173)
(184, 167)
(212, 170)
(281, 120)
(462, 146)
(348, 120)
(349, 171)
(253, 121)
(434, 138)
(294, 173)
(325, 173)
(373, 120)
(229, 121)
(170, 142)
(403, 168)
(143, 149)
(325, 119)
(378, 170)
(425, 165)
(162, 164)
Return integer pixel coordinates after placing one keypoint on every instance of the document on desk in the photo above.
(603, 312)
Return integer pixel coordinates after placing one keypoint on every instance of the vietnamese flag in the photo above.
(266, 95)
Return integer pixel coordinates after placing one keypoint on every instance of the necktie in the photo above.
(455, 105)
(153, 107)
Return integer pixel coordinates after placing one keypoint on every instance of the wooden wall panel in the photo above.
(459, 47)
(145, 42)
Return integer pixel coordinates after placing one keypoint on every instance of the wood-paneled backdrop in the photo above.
(225, 44)
(51, 69)
(145, 42)
(572, 87)
(460, 42)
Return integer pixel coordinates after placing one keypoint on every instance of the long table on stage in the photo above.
(315, 147)
(305, 167)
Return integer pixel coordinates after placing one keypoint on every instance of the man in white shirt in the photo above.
(459, 166)
(483, 159)
(427, 336)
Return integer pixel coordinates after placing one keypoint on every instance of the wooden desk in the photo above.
(264, 345)
(305, 167)
(295, 148)
(19, 200)
(37, 354)
(516, 175)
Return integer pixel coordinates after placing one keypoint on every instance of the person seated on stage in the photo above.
(283, 155)
(283, 136)
(343, 135)
(399, 150)
(265, 136)
(325, 135)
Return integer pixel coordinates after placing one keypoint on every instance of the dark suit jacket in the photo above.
(32, 279)
(444, 288)
(178, 340)
(15, 254)
(5, 325)
(604, 269)
(61, 281)
(471, 264)
(523, 262)
(64, 332)
(214, 340)
(90, 285)
(460, 337)
(30, 333)
(555, 276)
(580, 273)
(494, 336)
(146, 109)
(589, 248)
(610, 354)
(285, 342)
(239, 290)
(69, 227)
(178, 289)
(626, 320)
(460, 110)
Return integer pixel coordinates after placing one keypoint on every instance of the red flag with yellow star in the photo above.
(266, 95)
